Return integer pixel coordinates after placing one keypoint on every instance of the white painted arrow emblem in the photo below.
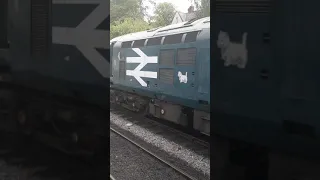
(85, 36)
(143, 60)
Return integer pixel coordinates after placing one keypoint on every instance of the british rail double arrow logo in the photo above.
(143, 60)
(85, 36)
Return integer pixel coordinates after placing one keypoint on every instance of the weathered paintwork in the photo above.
(274, 100)
(77, 62)
(194, 93)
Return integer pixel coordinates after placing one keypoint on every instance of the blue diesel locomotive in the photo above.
(166, 71)
(264, 90)
(53, 57)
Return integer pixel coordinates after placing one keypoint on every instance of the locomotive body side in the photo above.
(266, 102)
(57, 76)
(265, 88)
(169, 66)
(61, 53)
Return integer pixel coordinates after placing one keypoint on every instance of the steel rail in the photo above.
(112, 178)
(155, 156)
(182, 134)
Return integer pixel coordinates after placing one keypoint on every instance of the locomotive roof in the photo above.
(192, 25)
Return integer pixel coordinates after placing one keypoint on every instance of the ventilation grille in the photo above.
(40, 34)
(243, 7)
(167, 57)
(166, 75)
(122, 70)
(186, 56)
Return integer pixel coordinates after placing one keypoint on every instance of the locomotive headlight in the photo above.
(162, 111)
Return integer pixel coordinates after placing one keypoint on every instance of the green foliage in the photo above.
(126, 26)
(121, 9)
(203, 7)
(127, 16)
(164, 13)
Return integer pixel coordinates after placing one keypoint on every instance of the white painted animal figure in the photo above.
(233, 53)
(183, 78)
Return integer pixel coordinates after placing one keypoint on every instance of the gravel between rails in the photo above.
(184, 154)
(128, 162)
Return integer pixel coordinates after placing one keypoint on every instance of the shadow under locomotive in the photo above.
(38, 161)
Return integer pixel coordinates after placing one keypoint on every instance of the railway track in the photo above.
(165, 125)
(178, 170)
(180, 133)
(112, 178)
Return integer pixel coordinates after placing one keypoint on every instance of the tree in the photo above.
(121, 9)
(203, 7)
(127, 16)
(164, 13)
(126, 26)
